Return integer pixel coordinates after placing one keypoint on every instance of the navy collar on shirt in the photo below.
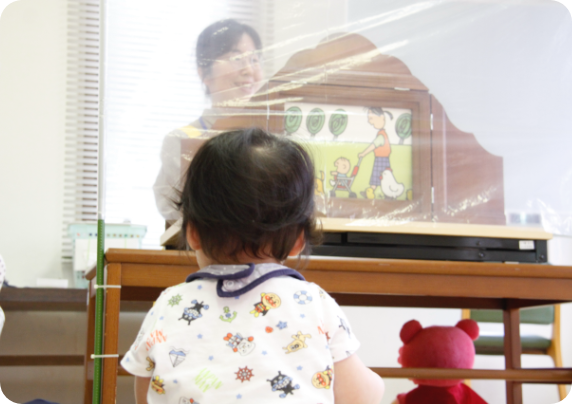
(236, 272)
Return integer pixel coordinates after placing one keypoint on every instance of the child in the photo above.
(342, 169)
(244, 327)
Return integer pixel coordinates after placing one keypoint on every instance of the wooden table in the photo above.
(362, 282)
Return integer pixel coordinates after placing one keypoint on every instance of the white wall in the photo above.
(32, 113)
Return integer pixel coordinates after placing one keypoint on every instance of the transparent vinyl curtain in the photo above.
(414, 111)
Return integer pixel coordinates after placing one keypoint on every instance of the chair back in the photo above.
(534, 315)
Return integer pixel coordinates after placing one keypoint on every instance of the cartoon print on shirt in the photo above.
(275, 328)
(283, 383)
(298, 343)
(177, 356)
(175, 300)
(345, 326)
(194, 312)
(151, 364)
(323, 379)
(184, 400)
(206, 380)
(239, 344)
(244, 374)
(138, 340)
(158, 385)
(268, 301)
(227, 316)
(302, 297)
(322, 332)
(156, 337)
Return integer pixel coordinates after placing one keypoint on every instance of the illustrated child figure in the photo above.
(248, 204)
(380, 148)
(343, 168)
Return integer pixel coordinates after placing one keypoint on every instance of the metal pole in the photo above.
(99, 293)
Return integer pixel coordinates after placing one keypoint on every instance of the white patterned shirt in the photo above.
(242, 334)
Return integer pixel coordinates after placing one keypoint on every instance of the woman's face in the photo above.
(236, 75)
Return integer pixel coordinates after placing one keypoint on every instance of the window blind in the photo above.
(152, 88)
(81, 130)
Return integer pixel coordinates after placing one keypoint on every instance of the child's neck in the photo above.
(241, 259)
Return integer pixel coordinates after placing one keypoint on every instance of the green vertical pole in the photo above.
(98, 346)
(99, 277)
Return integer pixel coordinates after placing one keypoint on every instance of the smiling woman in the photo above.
(230, 66)
(228, 61)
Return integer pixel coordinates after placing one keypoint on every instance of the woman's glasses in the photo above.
(240, 60)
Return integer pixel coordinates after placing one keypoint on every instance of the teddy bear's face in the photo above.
(438, 347)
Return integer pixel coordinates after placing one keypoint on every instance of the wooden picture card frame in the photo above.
(418, 102)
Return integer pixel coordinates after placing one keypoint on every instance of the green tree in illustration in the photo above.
(292, 119)
(315, 121)
(403, 127)
(338, 122)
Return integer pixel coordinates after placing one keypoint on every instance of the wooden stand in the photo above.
(455, 180)
(367, 282)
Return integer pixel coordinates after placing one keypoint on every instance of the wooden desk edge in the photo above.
(335, 225)
(314, 263)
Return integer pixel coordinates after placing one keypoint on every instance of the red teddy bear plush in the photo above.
(439, 347)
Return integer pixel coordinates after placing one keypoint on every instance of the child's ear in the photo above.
(193, 238)
(298, 245)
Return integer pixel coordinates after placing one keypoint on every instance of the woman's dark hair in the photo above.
(249, 191)
(220, 38)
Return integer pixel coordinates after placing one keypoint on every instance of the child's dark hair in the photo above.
(219, 38)
(249, 191)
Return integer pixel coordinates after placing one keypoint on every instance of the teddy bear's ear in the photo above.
(470, 327)
(409, 330)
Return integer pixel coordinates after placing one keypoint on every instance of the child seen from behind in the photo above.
(245, 328)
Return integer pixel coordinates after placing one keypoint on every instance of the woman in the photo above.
(228, 63)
